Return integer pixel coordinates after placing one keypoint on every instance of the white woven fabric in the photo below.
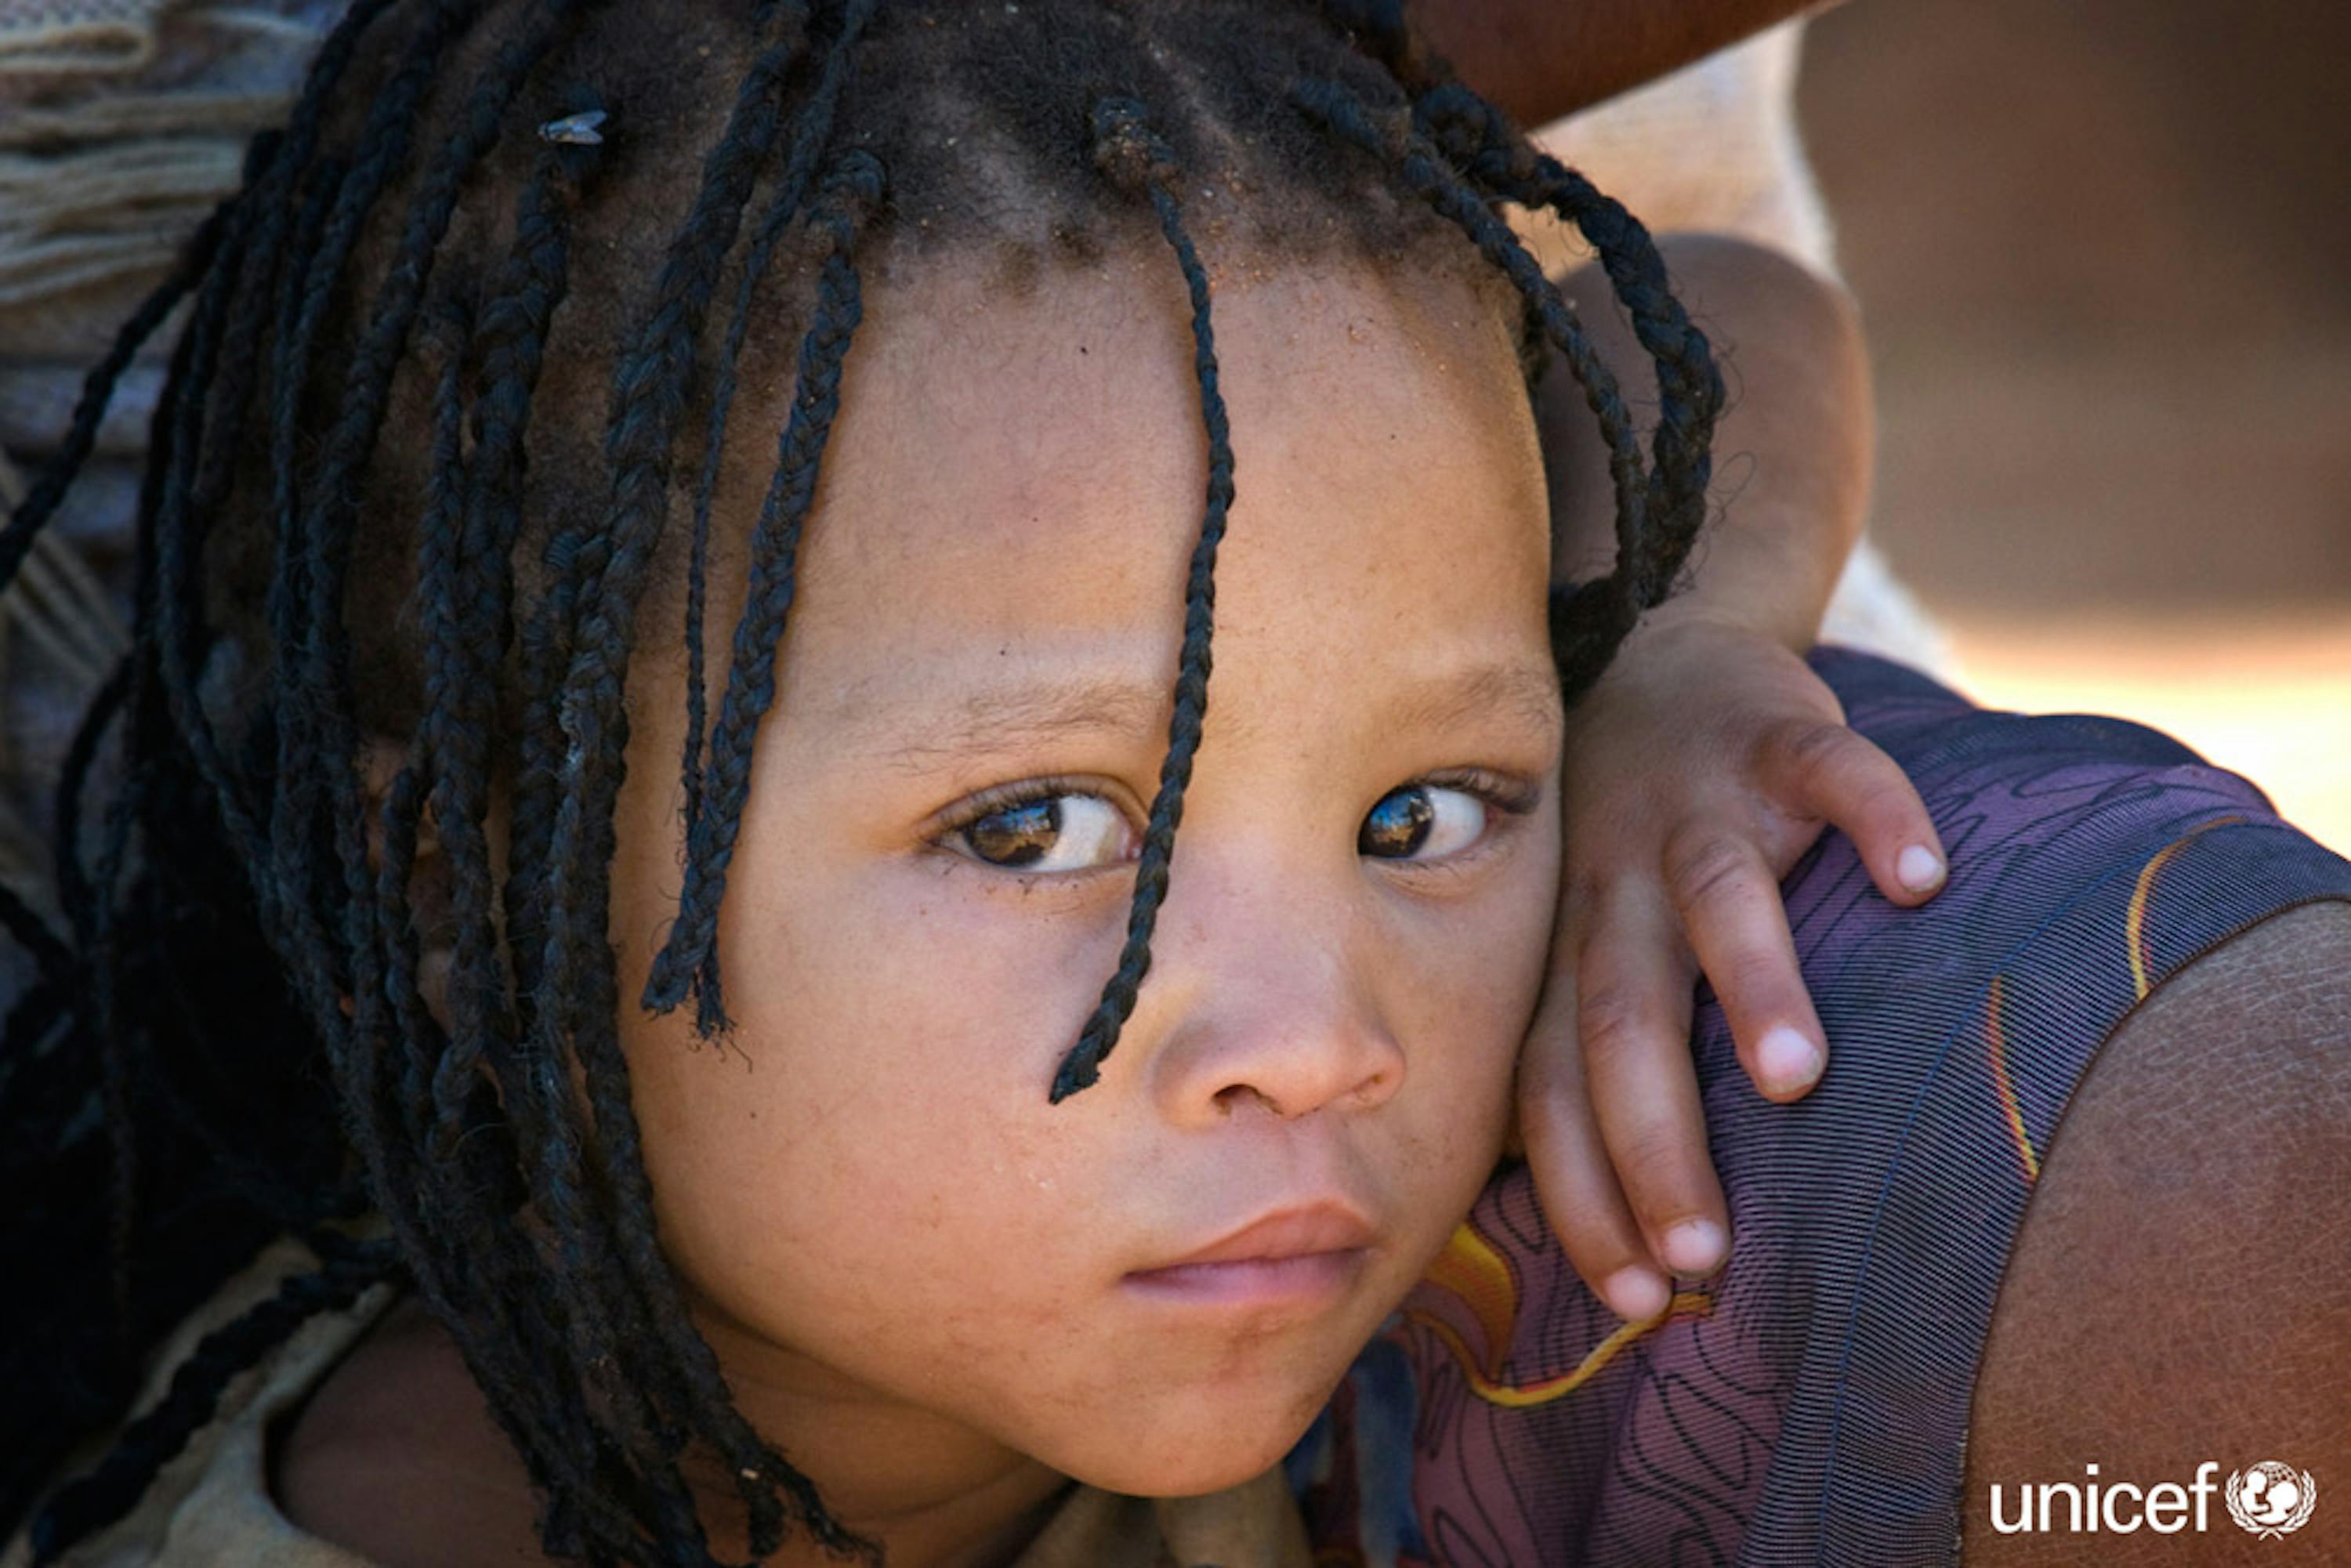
(62, 36)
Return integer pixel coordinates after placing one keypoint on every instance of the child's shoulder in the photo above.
(393, 1453)
(211, 1503)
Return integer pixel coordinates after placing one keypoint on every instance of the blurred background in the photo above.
(2105, 253)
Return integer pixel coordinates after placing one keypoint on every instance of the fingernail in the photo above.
(1635, 1293)
(1920, 868)
(1786, 1059)
(1693, 1247)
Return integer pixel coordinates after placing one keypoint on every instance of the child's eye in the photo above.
(1063, 830)
(1422, 821)
(1444, 816)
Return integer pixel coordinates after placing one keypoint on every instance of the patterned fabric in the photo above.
(1809, 1404)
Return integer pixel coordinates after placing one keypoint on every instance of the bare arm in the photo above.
(2180, 1291)
(1539, 60)
(1792, 450)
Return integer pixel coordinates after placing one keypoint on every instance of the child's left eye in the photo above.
(1063, 830)
(1422, 821)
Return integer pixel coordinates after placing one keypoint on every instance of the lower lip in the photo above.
(1310, 1279)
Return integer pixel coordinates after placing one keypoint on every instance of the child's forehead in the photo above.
(1107, 352)
(1000, 467)
(1009, 468)
(977, 420)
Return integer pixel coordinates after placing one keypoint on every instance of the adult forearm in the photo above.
(1792, 450)
(1543, 58)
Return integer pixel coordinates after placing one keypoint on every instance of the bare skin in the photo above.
(2174, 1295)
(978, 1510)
(2181, 1289)
(916, 1272)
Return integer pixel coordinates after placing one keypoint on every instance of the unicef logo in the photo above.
(2272, 1498)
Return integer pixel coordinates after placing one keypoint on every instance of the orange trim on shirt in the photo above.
(1525, 1396)
(1996, 1048)
(2135, 920)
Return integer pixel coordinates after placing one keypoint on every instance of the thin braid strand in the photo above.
(1134, 158)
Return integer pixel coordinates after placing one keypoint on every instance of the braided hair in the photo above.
(483, 219)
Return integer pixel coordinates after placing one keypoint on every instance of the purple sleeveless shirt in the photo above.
(1809, 1404)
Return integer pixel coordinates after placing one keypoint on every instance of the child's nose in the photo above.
(1278, 1012)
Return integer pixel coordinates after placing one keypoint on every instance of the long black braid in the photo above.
(852, 192)
(355, 659)
(1135, 159)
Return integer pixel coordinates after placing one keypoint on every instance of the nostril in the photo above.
(1240, 1096)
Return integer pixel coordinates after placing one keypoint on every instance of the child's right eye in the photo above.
(1049, 830)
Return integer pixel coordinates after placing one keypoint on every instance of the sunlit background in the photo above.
(2104, 249)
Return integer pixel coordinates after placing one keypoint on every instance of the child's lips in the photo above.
(1307, 1280)
(1299, 1257)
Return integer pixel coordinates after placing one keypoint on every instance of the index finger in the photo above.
(1830, 771)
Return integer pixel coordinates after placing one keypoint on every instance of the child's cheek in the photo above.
(879, 1123)
(1476, 967)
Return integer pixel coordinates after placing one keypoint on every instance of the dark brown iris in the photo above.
(1398, 825)
(1016, 835)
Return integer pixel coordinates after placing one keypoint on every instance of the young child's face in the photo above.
(879, 1214)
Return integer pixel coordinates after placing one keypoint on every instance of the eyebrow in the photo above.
(1035, 715)
(1528, 694)
(1018, 718)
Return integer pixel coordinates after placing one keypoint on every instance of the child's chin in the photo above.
(1192, 1475)
(1195, 1452)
